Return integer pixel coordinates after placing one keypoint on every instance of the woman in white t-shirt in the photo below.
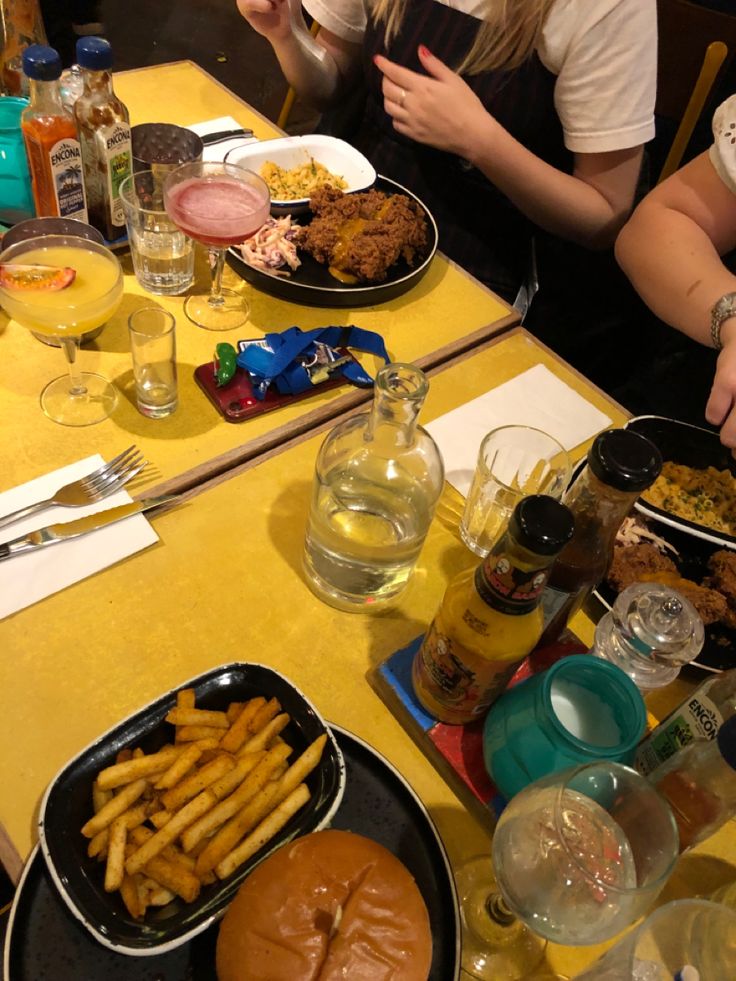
(671, 250)
(511, 119)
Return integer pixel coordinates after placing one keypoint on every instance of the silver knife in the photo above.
(64, 531)
(225, 134)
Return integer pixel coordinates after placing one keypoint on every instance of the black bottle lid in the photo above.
(541, 524)
(726, 737)
(94, 53)
(625, 460)
(41, 63)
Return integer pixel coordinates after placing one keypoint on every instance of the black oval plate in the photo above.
(690, 446)
(45, 943)
(312, 284)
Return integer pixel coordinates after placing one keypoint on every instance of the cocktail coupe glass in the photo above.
(577, 856)
(80, 398)
(219, 205)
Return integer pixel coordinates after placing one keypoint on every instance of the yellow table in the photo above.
(225, 584)
(447, 312)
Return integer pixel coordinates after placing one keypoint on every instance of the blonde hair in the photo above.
(507, 36)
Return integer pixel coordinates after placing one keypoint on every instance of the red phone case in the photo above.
(236, 401)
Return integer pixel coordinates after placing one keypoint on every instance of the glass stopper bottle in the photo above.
(50, 136)
(377, 480)
(104, 133)
(490, 616)
(620, 465)
(650, 633)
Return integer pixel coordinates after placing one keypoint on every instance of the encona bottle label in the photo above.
(458, 678)
(506, 588)
(66, 167)
(698, 718)
(115, 153)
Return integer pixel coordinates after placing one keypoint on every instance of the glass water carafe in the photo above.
(377, 481)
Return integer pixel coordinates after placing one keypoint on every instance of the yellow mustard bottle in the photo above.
(490, 617)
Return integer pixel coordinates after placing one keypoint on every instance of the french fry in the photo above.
(194, 784)
(241, 727)
(132, 818)
(174, 877)
(208, 743)
(262, 739)
(190, 734)
(197, 717)
(186, 698)
(123, 755)
(158, 895)
(179, 768)
(114, 807)
(223, 842)
(97, 848)
(131, 898)
(227, 783)
(264, 832)
(119, 774)
(301, 767)
(264, 715)
(255, 781)
(233, 711)
(100, 797)
(164, 836)
(114, 870)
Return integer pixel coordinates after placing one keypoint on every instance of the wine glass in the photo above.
(577, 856)
(219, 205)
(80, 398)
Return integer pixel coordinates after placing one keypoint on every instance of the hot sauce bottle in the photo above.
(490, 617)
(50, 136)
(104, 133)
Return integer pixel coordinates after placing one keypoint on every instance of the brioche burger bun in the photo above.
(329, 905)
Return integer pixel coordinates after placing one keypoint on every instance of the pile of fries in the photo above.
(168, 822)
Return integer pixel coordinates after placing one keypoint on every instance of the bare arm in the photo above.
(588, 206)
(670, 250)
(318, 68)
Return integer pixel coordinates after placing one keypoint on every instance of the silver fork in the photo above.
(88, 490)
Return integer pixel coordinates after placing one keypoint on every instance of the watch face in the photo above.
(725, 307)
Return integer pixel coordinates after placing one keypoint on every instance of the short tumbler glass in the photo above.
(513, 462)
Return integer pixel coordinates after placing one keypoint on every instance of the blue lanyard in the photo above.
(283, 359)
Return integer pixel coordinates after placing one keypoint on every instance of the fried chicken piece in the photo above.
(363, 235)
(709, 603)
(722, 565)
(634, 561)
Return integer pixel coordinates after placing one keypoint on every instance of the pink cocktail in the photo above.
(219, 205)
(217, 211)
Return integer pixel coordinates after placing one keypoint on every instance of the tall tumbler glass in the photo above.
(153, 348)
(513, 462)
(163, 256)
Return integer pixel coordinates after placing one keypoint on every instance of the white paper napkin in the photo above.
(25, 579)
(216, 152)
(534, 398)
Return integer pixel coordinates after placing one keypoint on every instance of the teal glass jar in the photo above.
(579, 710)
(16, 198)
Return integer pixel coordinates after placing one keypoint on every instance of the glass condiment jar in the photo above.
(651, 631)
(377, 480)
(490, 616)
(620, 465)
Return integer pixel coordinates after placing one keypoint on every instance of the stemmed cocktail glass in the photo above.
(577, 856)
(219, 205)
(80, 398)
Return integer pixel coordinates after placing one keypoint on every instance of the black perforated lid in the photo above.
(624, 460)
(541, 524)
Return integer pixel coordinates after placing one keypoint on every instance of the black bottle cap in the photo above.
(727, 741)
(94, 53)
(624, 460)
(541, 524)
(41, 63)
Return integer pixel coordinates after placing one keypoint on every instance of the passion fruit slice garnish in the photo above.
(18, 276)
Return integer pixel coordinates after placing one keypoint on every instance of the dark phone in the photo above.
(236, 401)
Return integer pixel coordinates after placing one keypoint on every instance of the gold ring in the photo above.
(402, 98)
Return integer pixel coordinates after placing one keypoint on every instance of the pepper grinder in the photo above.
(650, 633)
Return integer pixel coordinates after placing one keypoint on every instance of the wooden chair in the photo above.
(291, 94)
(697, 46)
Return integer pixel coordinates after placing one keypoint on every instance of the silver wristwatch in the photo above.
(720, 311)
